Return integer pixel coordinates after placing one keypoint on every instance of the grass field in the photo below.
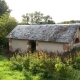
(6, 73)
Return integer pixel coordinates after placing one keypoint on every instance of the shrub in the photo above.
(26, 62)
(76, 62)
(63, 71)
(50, 64)
(41, 68)
(27, 75)
(17, 63)
(34, 66)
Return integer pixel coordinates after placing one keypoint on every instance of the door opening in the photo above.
(33, 46)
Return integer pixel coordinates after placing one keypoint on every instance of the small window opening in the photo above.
(77, 40)
(33, 46)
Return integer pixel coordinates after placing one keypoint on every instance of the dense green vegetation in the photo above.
(4, 7)
(39, 66)
(7, 23)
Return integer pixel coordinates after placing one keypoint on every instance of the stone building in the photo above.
(49, 37)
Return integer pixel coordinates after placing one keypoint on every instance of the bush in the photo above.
(17, 63)
(40, 68)
(27, 75)
(45, 68)
(76, 62)
(26, 62)
(35, 65)
(63, 71)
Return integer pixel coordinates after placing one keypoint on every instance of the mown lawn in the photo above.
(6, 73)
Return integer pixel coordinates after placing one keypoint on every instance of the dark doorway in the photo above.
(33, 46)
(77, 40)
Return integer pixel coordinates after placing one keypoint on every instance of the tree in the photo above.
(68, 22)
(25, 19)
(51, 22)
(10, 24)
(3, 7)
(7, 23)
(31, 18)
(48, 20)
(37, 18)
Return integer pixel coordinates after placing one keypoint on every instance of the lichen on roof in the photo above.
(49, 32)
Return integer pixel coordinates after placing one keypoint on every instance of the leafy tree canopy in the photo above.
(7, 23)
(68, 22)
(3, 7)
(36, 18)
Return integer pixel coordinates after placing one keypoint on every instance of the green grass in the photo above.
(6, 73)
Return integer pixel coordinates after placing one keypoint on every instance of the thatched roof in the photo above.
(50, 32)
